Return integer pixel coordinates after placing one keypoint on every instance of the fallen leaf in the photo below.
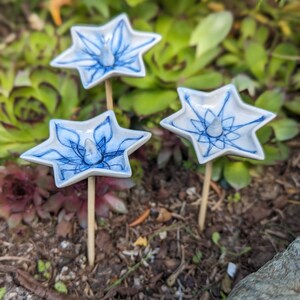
(141, 241)
(141, 218)
(55, 6)
(162, 214)
(63, 228)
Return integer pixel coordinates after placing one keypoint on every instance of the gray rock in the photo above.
(277, 279)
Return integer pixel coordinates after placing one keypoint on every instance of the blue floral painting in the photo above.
(101, 52)
(77, 150)
(218, 123)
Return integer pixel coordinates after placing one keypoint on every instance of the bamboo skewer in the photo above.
(91, 220)
(205, 193)
(91, 191)
(108, 91)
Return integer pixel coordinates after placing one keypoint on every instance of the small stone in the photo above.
(231, 269)
(65, 244)
(12, 295)
(162, 235)
(191, 192)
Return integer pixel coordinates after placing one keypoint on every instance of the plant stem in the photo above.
(108, 91)
(91, 220)
(205, 193)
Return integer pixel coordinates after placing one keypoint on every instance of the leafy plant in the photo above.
(28, 100)
(60, 287)
(196, 259)
(71, 201)
(2, 292)
(22, 193)
(216, 237)
(28, 193)
(44, 268)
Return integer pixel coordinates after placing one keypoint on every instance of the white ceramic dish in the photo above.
(218, 123)
(77, 150)
(100, 52)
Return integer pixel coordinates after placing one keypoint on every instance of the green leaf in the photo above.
(280, 60)
(228, 59)
(244, 82)
(178, 37)
(256, 59)
(145, 11)
(49, 96)
(7, 77)
(217, 169)
(40, 75)
(60, 287)
(293, 106)
(210, 80)
(69, 92)
(146, 82)
(197, 257)
(147, 102)
(133, 3)
(274, 154)
(193, 66)
(270, 100)
(211, 31)
(2, 292)
(101, 6)
(215, 237)
(264, 134)
(262, 34)
(179, 8)
(285, 129)
(232, 46)
(248, 27)
(237, 174)
(163, 25)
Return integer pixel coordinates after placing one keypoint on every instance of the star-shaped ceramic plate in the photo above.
(218, 123)
(77, 150)
(100, 52)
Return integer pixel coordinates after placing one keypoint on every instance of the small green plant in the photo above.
(44, 268)
(196, 259)
(60, 287)
(236, 197)
(2, 292)
(216, 236)
(28, 102)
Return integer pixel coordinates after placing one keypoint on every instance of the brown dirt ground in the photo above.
(266, 218)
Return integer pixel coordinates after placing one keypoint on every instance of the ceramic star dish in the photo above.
(100, 52)
(77, 150)
(218, 123)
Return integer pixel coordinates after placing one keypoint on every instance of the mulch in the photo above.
(175, 260)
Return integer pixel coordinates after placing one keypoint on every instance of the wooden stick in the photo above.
(91, 191)
(91, 220)
(108, 91)
(205, 193)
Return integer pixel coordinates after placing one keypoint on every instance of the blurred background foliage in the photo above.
(205, 44)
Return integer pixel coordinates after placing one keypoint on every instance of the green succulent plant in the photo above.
(28, 101)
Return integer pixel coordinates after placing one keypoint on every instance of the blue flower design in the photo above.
(110, 50)
(77, 150)
(218, 123)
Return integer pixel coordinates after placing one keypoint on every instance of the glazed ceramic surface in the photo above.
(218, 123)
(77, 150)
(100, 52)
